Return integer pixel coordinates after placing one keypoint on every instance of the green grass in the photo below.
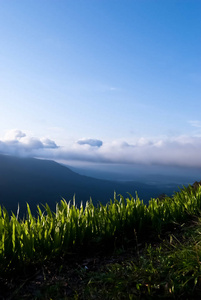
(69, 227)
(169, 269)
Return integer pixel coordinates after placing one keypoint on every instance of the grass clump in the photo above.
(70, 227)
(164, 261)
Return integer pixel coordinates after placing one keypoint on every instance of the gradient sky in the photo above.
(101, 80)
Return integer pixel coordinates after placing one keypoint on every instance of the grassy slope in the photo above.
(163, 262)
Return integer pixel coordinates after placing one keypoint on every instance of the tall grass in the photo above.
(53, 233)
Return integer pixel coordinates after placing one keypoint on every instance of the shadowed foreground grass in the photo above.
(170, 269)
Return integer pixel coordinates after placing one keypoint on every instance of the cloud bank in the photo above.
(179, 151)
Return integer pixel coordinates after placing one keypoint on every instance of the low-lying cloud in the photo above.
(179, 151)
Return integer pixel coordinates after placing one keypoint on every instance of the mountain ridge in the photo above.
(39, 181)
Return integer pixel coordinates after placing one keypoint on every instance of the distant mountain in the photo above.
(149, 174)
(43, 181)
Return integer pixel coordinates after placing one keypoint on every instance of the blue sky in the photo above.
(101, 80)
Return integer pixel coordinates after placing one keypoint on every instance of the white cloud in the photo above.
(90, 142)
(14, 134)
(17, 142)
(195, 123)
(47, 143)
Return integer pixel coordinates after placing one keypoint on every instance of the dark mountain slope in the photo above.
(42, 181)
